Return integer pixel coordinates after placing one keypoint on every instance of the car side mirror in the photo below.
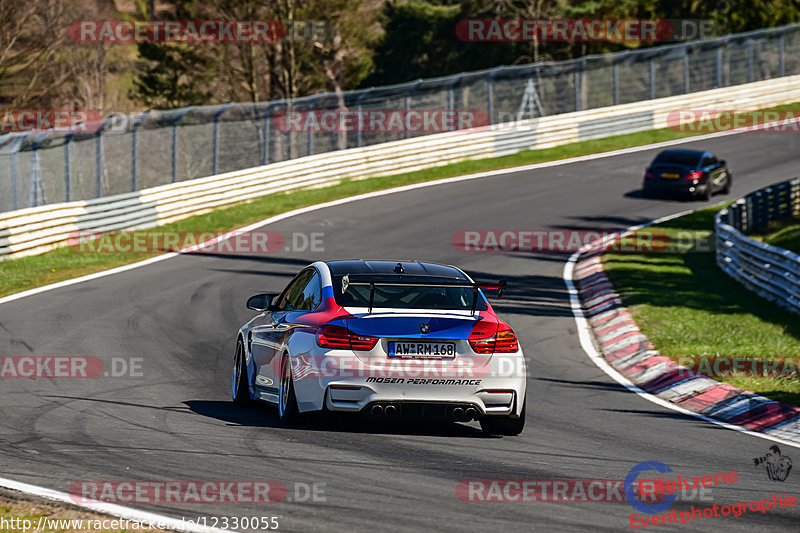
(260, 302)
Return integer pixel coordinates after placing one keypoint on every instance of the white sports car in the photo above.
(386, 339)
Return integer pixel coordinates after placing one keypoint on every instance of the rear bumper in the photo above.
(674, 187)
(488, 396)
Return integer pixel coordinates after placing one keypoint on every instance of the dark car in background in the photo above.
(687, 172)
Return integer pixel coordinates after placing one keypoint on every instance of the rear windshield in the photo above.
(677, 158)
(399, 297)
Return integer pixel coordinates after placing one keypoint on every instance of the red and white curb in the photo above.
(610, 336)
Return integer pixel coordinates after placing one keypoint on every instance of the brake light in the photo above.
(693, 176)
(506, 340)
(490, 337)
(341, 337)
(649, 175)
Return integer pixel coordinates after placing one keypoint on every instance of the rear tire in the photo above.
(287, 401)
(240, 387)
(504, 425)
(728, 183)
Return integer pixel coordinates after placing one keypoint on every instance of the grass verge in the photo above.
(17, 275)
(783, 234)
(27, 516)
(688, 307)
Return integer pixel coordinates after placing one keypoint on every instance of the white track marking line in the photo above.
(120, 511)
(585, 336)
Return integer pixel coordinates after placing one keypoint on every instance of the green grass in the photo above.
(688, 307)
(784, 234)
(28, 272)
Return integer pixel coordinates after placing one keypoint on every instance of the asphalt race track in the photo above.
(180, 316)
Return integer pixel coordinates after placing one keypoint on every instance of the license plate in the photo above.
(670, 175)
(422, 349)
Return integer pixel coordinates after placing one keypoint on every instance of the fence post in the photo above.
(175, 149)
(407, 102)
(267, 116)
(615, 80)
(215, 163)
(781, 50)
(135, 149)
(686, 69)
(14, 197)
(67, 169)
(750, 75)
(98, 161)
(578, 78)
(180, 114)
(451, 99)
(36, 194)
(490, 93)
(312, 101)
(718, 66)
(652, 66)
(358, 109)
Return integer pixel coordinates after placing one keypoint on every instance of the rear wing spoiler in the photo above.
(356, 280)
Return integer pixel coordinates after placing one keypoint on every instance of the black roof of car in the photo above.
(683, 152)
(410, 268)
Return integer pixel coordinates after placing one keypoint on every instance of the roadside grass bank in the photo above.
(53, 517)
(689, 308)
(783, 234)
(64, 263)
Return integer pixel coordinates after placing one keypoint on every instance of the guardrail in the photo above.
(769, 271)
(38, 229)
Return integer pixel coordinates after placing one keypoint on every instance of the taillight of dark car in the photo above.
(649, 175)
(490, 337)
(340, 337)
(693, 176)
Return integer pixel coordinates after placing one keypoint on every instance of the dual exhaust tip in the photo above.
(459, 413)
(456, 413)
(379, 410)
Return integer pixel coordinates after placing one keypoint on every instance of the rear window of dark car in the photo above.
(683, 159)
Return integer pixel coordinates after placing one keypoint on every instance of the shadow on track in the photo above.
(266, 417)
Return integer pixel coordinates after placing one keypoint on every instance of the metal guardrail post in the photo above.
(652, 69)
(718, 66)
(215, 164)
(268, 114)
(615, 81)
(750, 74)
(781, 52)
(578, 82)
